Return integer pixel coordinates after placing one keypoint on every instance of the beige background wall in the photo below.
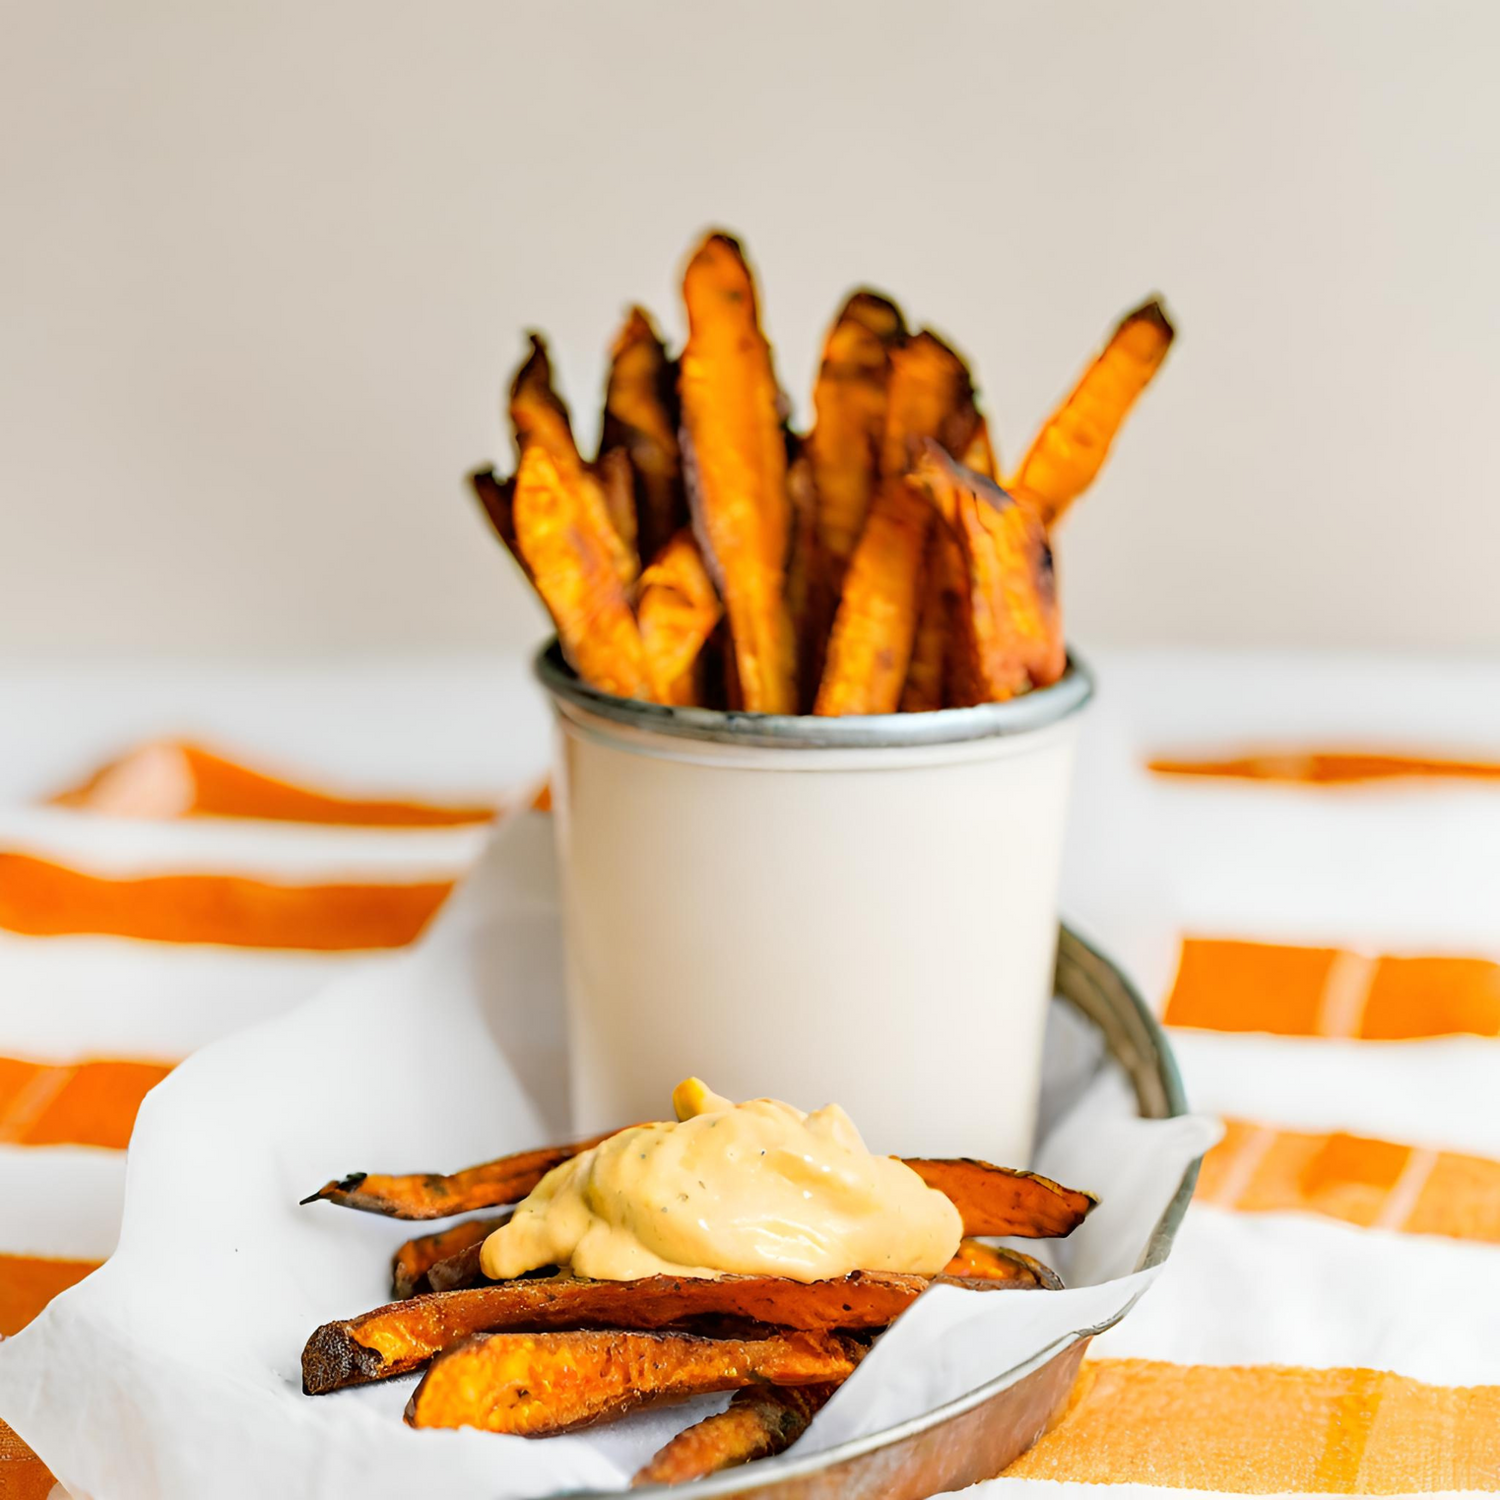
(264, 268)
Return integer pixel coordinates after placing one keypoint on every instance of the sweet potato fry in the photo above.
(434, 1195)
(758, 1422)
(404, 1335)
(980, 454)
(849, 400)
(930, 396)
(735, 460)
(641, 419)
(677, 611)
(1001, 1200)
(842, 470)
(976, 1261)
(937, 619)
(412, 1263)
(1012, 619)
(1074, 441)
(564, 533)
(875, 628)
(461, 1269)
(942, 673)
(536, 1384)
(540, 420)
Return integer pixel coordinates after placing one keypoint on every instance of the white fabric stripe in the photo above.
(449, 726)
(1300, 1289)
(1206, 701)
(70, 997)
(1346, 990)
(287, 853)
(1437, 1093)
(1406, 1189)
(1384, 875)
(62, 1201)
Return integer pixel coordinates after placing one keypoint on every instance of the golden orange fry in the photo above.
(980, 454)
(942, 671)
(926, 686)
(873, 634)
(641, 419)
(737, 467)
(874, 631)
(677, 610)
(566, 538)
(1004, 1200)
(402, 1336)
(1011, 615)
(941, 674)
(931, 397)
(536, 1384)
(540, 420)
(758, 1422)
(435, 1195)
(1073, 443)
(849, 401)
(414, 1260)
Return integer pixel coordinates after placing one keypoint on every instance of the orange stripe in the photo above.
(1356, 1179)
(73, 1104)
(47, 900)
(23, 1476)
(1328, 768)
(1238, 986)
(28, 1283)
(1413, 997)
(172, 780)
(1263, 1429)
(1229, 986)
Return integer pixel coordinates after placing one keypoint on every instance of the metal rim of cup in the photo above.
(1031, 711)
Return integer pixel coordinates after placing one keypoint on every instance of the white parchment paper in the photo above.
(173, 1372)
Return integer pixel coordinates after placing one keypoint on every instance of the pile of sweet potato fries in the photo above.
(711, 557)
(552, 1351)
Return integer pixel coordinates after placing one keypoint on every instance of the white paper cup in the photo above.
(858, 910)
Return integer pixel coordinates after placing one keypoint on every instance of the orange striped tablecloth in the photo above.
(1331, 1320)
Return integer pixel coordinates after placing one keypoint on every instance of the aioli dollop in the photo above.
(758, 1188)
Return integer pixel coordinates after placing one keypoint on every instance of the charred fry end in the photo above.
(335, 1189)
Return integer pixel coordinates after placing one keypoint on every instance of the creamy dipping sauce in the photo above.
(758, 1188)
